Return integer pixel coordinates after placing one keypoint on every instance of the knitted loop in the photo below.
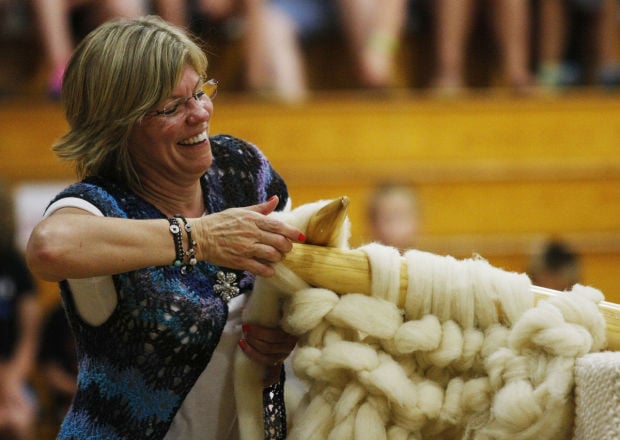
(464, 358)
(465, 354)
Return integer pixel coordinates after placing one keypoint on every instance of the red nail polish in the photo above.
(245, 328)
(243, 344)
(302, 237)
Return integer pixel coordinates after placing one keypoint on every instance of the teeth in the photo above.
(195, 139)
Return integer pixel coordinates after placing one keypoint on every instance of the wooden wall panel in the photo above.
(495, 174)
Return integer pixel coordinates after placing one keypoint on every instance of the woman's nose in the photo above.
(199, 109)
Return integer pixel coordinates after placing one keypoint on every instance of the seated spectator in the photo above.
(555, 266)
(55, 19)
(394, 216)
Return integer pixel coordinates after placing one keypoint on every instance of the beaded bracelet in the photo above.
(191, 252)
(177, 236)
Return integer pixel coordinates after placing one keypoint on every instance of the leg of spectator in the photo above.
(374, 32)
(52, 17)
(216, 9)
(607, 34)
(104, 10)
(453, 20)
(53, 21)
(173, 11)
(273, 54)
(513, 29)
(552, 38)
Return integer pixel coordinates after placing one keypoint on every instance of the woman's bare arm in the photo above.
(72, 243)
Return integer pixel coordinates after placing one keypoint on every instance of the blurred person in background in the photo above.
(555, 266)
(393, 214)
(19, 331)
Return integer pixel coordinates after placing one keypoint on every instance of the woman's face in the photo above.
(171, 143)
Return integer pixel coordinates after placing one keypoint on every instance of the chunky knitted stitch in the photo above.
(136, 369)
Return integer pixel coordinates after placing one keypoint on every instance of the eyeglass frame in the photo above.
(208, 89)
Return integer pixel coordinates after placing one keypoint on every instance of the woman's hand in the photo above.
(268, 346)
(245, 238)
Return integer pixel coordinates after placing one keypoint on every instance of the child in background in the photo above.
(555, 266)
(394, 216)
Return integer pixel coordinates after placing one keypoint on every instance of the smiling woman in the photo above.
(156, 247)
(159, 143)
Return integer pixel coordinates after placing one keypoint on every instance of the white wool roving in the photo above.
(264, 307)
(466, 353)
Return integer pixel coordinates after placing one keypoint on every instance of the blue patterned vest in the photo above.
(136, 369)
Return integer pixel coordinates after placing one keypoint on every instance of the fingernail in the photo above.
(302, 237)
(245, 328)
(271, 198)
(243, 344)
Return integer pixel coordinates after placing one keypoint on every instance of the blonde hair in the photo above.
(116, 75)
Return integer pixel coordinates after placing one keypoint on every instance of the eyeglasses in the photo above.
(208, 90)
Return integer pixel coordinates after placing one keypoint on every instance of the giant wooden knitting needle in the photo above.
(344, 271)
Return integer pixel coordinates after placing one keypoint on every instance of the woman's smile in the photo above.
(195, 140)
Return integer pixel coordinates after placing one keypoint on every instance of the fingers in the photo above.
(274, 226)
(269, 340)
(279, 230)
(266, 345)
(269, 346)
(267, 207)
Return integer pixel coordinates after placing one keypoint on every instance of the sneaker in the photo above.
(559, 75)
(609, 76)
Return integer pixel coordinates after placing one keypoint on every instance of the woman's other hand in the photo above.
(268, 346)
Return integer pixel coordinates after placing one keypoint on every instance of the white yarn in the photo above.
(379, 319)
(470, 355)
(509, 375)
(385, 271)
(264, 308)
